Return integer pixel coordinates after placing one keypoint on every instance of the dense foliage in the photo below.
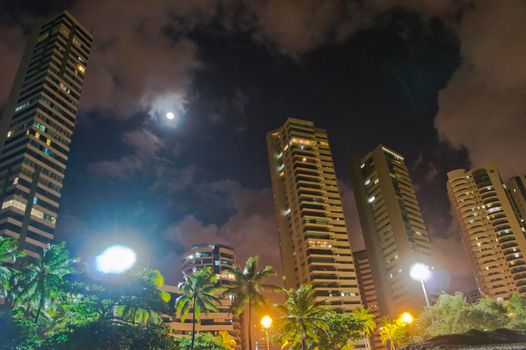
(52, 303)
(306, 324)
(452, 314)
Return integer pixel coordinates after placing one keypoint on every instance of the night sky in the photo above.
(441, 82)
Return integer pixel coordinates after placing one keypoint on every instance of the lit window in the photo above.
(371, 199)
(48, 142)
(65, 88)
(14, 203)
(367, 182)
(37, 213)
(22, 106)
(15, 181)
(81, 68)
(9, 133)
(362, 166)
(37, 135)
(63, 30)
(43, 36)
(76, 41)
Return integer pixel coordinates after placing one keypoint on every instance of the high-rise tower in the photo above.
(314, 242)
(394, 232)
(492, 232)
(36, 130)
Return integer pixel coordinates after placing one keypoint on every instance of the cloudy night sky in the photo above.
(441, 82)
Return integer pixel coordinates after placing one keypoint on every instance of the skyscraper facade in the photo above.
(219, 258)
(492, 232)
(368, 293)
(394, 232)
(516, 187)
(36, 130)
(314, 242)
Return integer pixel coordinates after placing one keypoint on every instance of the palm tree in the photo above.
(8, 254)
(387, 332)
(42, 281)
(200, 290)
(367, 320)
(304, 317)
(228, 340)
(393, 332)
(145, 301)
(248, 287)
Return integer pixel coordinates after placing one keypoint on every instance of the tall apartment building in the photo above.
(394, 232)
(36, 130)
(516, 187)
(219, 258)
(368, 292)
(314, 242)
(492, 232)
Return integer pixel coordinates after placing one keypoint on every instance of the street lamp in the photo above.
(266, 323)
(115, 259)
(421, 272)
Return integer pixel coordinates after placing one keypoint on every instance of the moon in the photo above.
(170, 115)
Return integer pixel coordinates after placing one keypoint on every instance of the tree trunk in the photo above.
(304, 338)
(249, 322)
(367, 345)
(40, 305)
(193, 324)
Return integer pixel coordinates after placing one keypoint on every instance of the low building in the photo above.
(219, 258)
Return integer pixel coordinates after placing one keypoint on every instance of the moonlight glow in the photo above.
(116, 259)
(170, 115)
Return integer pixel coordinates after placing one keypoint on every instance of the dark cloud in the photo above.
(483, 107)
(251, 229)
(148, 53)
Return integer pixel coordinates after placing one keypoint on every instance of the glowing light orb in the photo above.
(170, 115)
(420, 272)
(406, 318)
(266, 322)
(116, 259)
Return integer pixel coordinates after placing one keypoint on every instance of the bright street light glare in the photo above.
(170, 115)
(420, 272)
(266, 322)
(406, 318)
(116, 259)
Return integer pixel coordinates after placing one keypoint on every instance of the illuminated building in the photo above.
(492, 232)
(219, 258)
(36, 130)
(394, 232)
(313, 237)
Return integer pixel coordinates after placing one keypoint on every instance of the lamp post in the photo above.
(266, 323)
(420, 272)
